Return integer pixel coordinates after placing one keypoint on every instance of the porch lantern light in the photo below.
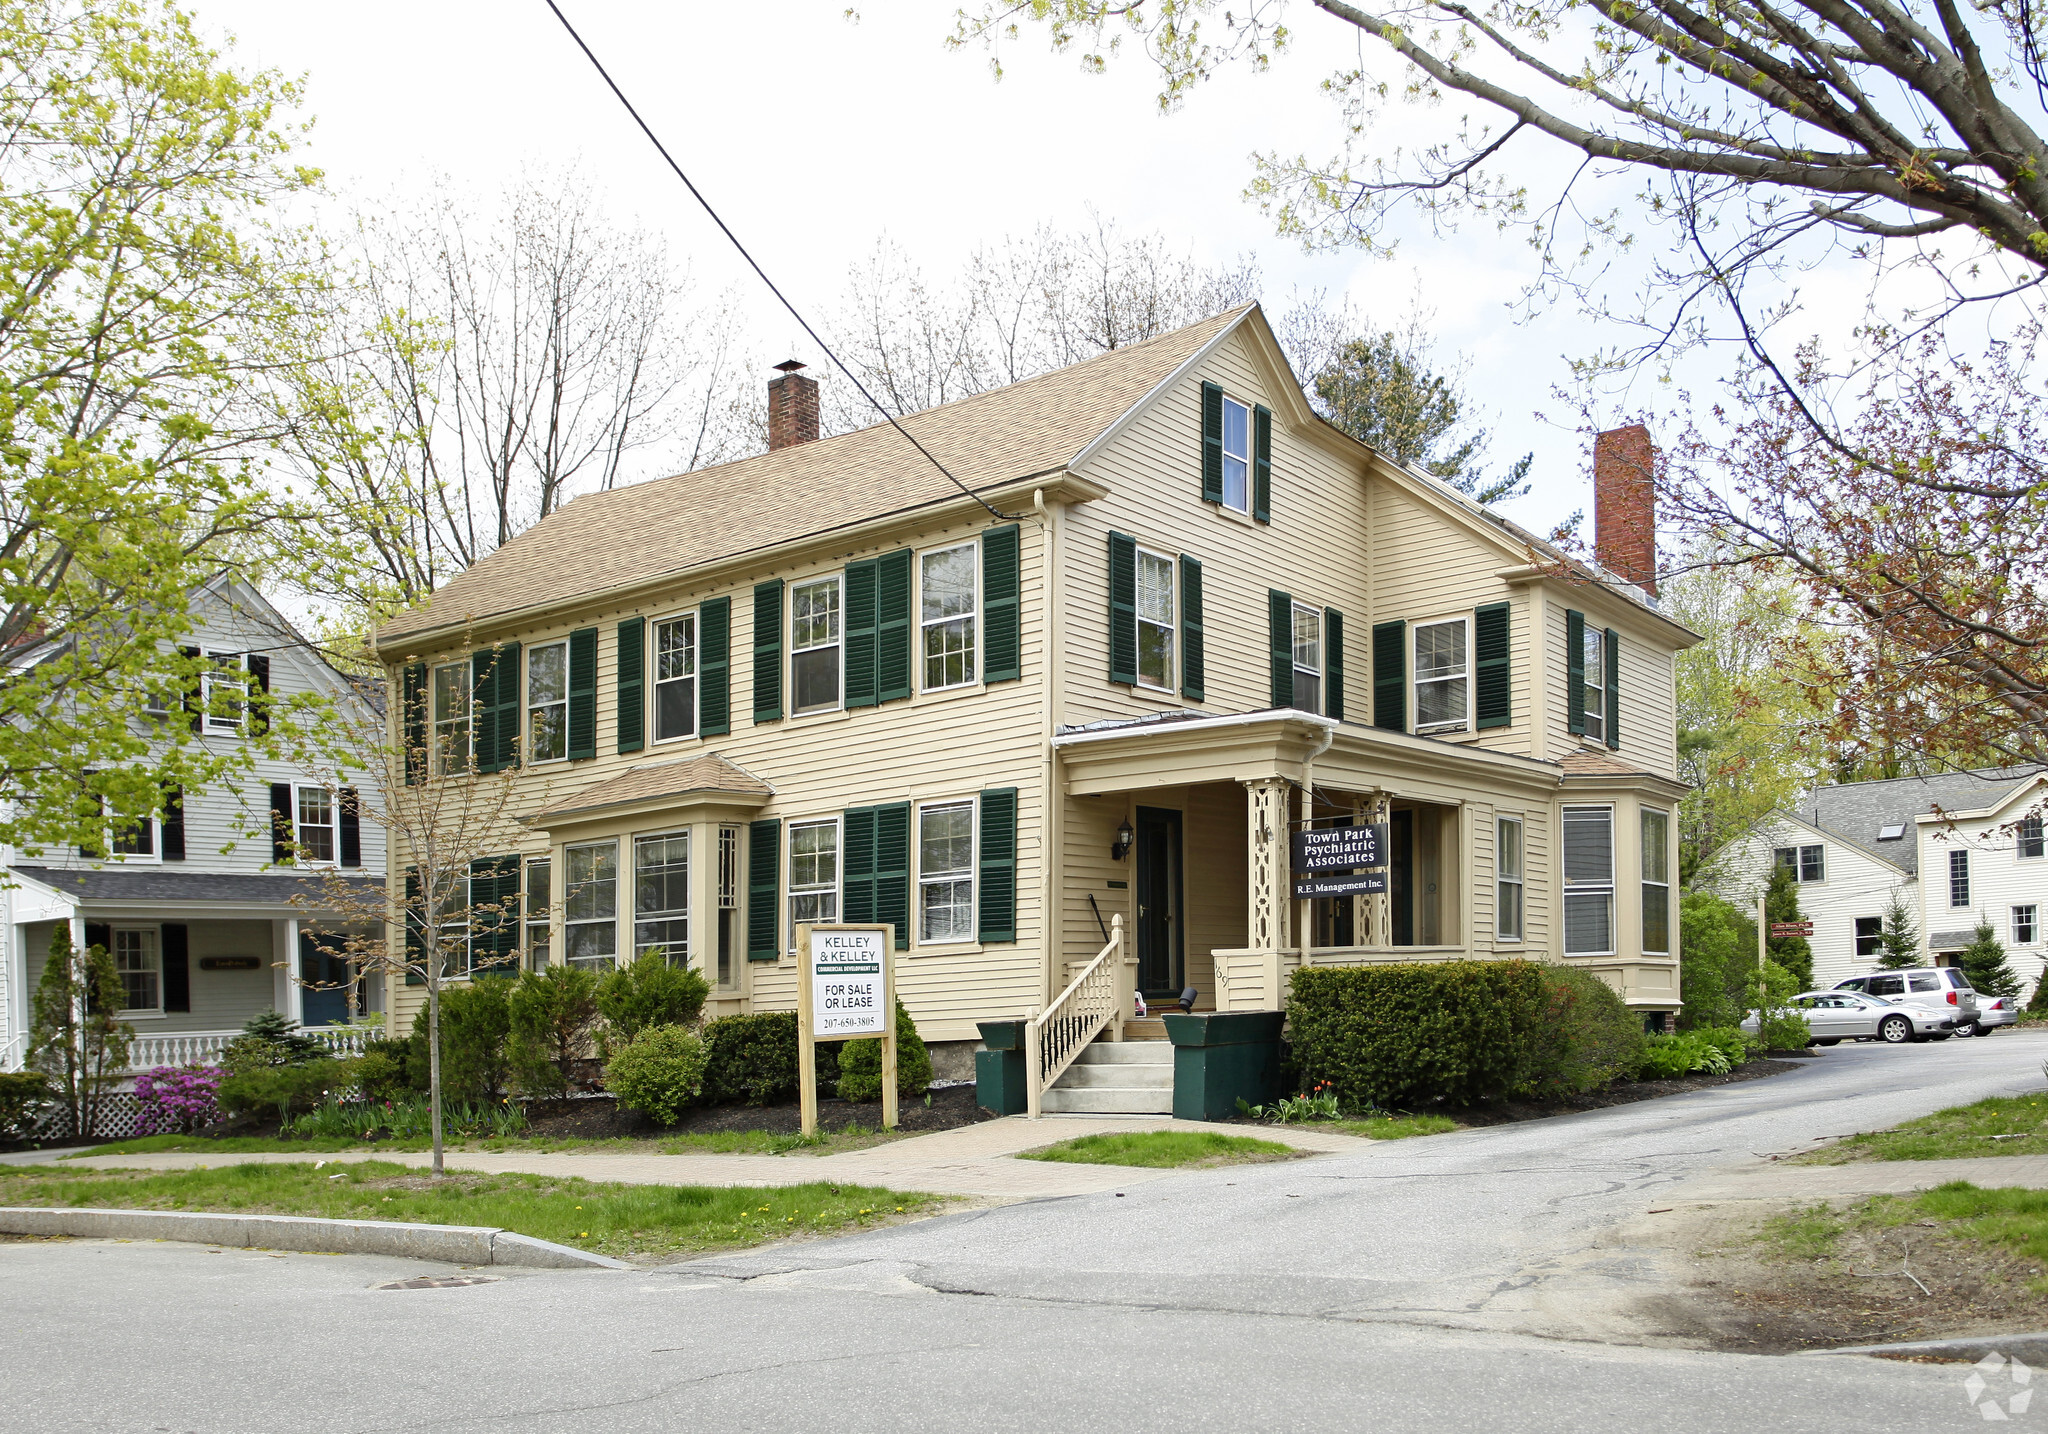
(1124, 837)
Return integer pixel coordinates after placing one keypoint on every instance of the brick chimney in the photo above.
(1625, 505)
(792, 407)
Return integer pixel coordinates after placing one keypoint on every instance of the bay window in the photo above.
(539, 942)
(590, 926)
(1657, 882)
(661, 897)
(1588, 881)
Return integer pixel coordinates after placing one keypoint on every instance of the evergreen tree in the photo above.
(1781, 903)
(1983, 961)
(1898, 942)
(73, 1036)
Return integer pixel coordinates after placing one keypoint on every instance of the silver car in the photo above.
(1943, 991)
(1992, 1012)
(1837, 1016)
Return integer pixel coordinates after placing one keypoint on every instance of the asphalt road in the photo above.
(1381, 1291)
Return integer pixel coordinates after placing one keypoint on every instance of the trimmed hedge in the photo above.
(860, 1064)
(1410, 1034)
(751, 1060)
(1590, 1039)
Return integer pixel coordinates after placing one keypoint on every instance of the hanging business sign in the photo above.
(845, 990)
(1340, 861)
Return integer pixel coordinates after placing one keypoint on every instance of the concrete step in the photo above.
(1085, 1077)
(1125, 1053)
(1108, 1100)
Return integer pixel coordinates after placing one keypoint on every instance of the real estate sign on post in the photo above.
(1340, 861)
(846, 990)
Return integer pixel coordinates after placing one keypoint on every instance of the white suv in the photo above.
(1942, 991)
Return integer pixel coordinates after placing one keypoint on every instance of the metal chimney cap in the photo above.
(790, 365)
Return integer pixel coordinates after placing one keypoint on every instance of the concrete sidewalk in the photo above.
(971, 1160)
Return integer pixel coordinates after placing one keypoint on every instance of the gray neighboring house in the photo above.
(1958, 847)
(201, 920)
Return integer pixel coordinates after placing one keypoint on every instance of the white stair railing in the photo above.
(1077, 1016)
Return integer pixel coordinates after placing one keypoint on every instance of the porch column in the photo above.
(1267, 887)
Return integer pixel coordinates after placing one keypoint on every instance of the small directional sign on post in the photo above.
(1340, 861)
(1782, 929)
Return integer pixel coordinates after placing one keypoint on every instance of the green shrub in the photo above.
(1730, 1041)
(751, 1060)
(1415, 1032)
(23, 1094)
(1717, 945)
(286, 1089)
(1590, 1038)
(269, 1038)
(660, 1072)
(383, 1070)
(650, 992)
(475, 1024)
(860, 1063)
(1668, 1057)
(552, 1012)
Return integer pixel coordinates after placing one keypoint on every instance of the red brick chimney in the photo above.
(792, 407)
(1625, 505)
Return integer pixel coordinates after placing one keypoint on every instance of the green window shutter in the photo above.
(494, 698)
(414, 690)
(415, 930)
(1123, 609)
(1612, 725)
(582, 694)
(1493, 703)
(632, 684)
(1390, 676)
(1002, 641)
(764, 883)
(892, 870)
(511, 705)
(998, 870)
(1333, 663)
(859, 619)
(494, 916)
(1280, 642)
(1262, 464)
(1212, 443)
(893, 596)
(768, 651)
(857, 864)
(1574, 670)
(714, 667)
(1193, 672)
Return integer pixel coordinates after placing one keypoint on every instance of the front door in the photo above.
(1159, 903)
(324, 1002)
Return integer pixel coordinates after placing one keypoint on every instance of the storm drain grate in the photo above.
(439, 1282)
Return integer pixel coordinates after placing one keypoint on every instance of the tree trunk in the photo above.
(434, 1062)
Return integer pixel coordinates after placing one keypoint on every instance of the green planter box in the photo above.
(1222, 1057)
(999, 1070)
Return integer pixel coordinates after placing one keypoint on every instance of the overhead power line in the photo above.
(752, 263)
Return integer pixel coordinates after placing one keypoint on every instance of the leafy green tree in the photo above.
(73, 1034)
(1983, 961)
(1898, 939)
(1717, 953)
(1781, 903)
(1770, 990)
(141, 292)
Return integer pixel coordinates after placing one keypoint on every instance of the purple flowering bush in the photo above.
(177, 1100)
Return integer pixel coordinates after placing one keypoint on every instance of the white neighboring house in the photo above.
(200, 916)
(1956, 847)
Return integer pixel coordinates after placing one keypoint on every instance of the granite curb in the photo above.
(447, 1244)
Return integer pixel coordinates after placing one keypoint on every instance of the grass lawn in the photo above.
(1163, 1149)
(1953, 1134)
(710, 1142)
(627, 1221)
(2010, 1220)
(1390, 1127)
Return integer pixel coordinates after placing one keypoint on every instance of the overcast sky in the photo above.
(815, 136)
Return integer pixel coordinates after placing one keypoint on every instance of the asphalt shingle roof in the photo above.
(1857, 811)
(160, 884)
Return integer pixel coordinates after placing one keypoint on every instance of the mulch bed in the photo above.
(602, 1119)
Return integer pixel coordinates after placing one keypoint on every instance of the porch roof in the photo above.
(130, 885)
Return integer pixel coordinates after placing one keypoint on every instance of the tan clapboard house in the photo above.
(1057, 728)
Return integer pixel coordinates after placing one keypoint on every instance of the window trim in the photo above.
(2029, 830)
(1662, 881)
(1321, 671)
(1250, 442)
(728, 893)
(153, 857)
(538, 953)
(1593, 649)
(208, 681)
(1172, 624)
(972, 803)
(689, 876)
(1518, 880)
(790, 891)
(1797, 866)
(1415, 679)
(838, 643)
(527, 706)
(569, 924)
(299, 857)
(1958, 870)
(2032, 925)
(651, 665)
(156, 945)
(442, 766)
(1857, 937)
(973, 615)
(1606, 888)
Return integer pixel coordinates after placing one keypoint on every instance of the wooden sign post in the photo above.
(845, 990)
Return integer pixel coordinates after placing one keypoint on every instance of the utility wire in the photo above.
(655, 140)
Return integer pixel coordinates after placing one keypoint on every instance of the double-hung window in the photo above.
(945, 872)
(1442, 676)
(728, 905)
(2029, 842)
(451, 925)
(2026, 927)
(451, 697)
(139, 966)
(1869, 937)
(1507, 871)
(814, 643)
(675, 677)
(134, 843)
(813, 872)
(1237, 456)
(1155, 620)
(1959, 878)
(547, 702)
(316, 826)
(1588, 881)
(947, 615)
(539, 880)
(1595, 656)
(590, 909)
(661, 897)
(1308, 658)
(1657, 883)
(1806, 863)
(224, 688)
